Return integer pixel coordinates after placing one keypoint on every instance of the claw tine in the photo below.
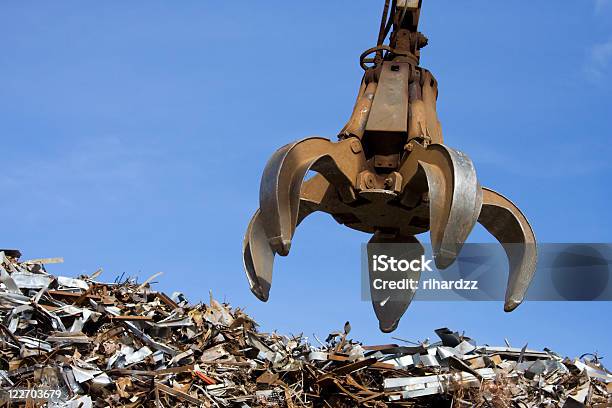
(455, 200)
(258, 258)
(509, 226)
(282, 179)
(275, 200)
(280, 189)
(390, 305)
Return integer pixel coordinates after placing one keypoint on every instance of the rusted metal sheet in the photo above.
(390, 106)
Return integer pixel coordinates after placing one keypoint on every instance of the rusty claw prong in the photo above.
(454, 196)
(390, 305)
(258, 255)
(509, 226)
(258, 258)
(279, 193)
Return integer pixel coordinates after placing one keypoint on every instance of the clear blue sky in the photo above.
(134, 135)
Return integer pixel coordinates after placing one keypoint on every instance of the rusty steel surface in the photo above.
(389, 174)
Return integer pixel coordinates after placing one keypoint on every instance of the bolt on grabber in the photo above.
(389, 174)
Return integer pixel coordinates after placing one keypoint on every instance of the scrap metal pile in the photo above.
(125, 344)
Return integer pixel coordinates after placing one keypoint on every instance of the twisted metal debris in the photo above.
(124, 344)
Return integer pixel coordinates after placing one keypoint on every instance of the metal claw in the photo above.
(258, 256)
(454, 195)
(389, 175)
(339, 163)
(510, 227)
(390, 304)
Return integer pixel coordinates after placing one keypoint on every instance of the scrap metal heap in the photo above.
(390, 175)
(124, 344)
